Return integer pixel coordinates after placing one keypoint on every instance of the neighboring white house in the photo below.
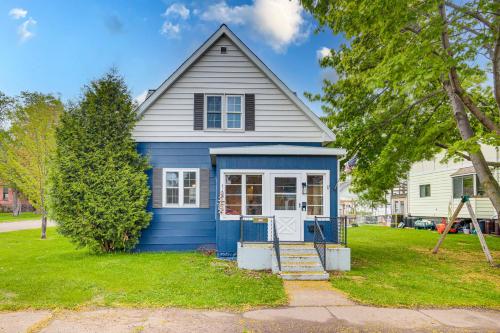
(435, 188)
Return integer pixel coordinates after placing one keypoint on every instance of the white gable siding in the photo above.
(438, 175)
(277, 118)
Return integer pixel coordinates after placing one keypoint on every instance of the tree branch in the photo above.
(465, 156)
(475, 15)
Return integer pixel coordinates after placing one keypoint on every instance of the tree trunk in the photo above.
(16, 203)
(496, 68)
(490, 185)
(44, 225)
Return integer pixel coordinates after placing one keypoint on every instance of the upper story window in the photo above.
(224, 111)
(214, 111)
(5, 194)
(181, 188)
(425, 190)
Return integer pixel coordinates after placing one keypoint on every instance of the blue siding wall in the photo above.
(186, 228)
(228, 232)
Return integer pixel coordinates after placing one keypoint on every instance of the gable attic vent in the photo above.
(223, 50)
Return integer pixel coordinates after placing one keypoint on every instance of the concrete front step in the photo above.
(298, 250)
(321, 276)
(302, 267)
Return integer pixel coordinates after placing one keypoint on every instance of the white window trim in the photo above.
(224, 113)
(267, 190)
(181, 188)
(243, 191)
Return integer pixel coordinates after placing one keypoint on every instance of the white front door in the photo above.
(285, 200)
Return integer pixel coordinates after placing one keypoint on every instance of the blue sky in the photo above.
(57, 46)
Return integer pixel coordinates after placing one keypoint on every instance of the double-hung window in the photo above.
(214, 111)
(181, 188)
(243, 194)
(224, 111)
(5, 193)
(233, 112)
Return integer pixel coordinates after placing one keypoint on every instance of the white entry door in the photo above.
(285, 200)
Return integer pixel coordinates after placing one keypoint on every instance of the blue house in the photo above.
(239, 164)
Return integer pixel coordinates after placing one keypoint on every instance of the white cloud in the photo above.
(141, 97)
(279, 22)
(18, 13)
(23, 30)
(170, 30)
(177, 9)
(223, 13)
(323, 52)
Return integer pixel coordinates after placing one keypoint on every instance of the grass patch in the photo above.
(8, 217)
(395, 267)
(45, 274)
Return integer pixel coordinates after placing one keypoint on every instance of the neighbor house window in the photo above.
(425, 190)
(5, 193)
(463, 185)
(214, 111)
(181, 187)
(224, 111)
(233, 111)
(243, 194)
(315, 197)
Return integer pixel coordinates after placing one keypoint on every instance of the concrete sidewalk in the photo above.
(315, 307)
(23, 225)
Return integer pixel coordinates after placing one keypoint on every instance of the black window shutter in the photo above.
(249, 112)
(199, 110)
(204, 188)
(157, 188)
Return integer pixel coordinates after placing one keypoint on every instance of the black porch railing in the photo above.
(256, 228)
(320, 243)
(334, 228)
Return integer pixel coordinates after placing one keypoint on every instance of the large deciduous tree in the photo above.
(414, 77)
(27, 147)
(100, 191)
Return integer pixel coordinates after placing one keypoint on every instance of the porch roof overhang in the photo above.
(464, 172)
(277, 150)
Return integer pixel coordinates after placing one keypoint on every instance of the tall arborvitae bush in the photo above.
(99, 188)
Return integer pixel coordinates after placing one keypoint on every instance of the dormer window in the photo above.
(224, 112)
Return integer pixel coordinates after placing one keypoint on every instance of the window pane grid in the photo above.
(181, 188)
(315, 204)
(214, 111)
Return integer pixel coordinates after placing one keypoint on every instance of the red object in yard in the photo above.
(440, 228)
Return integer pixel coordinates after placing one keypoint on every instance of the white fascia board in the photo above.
(328, 134)
(278, 150)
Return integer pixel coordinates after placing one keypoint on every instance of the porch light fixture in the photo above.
(304, 188)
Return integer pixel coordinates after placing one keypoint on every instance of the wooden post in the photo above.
(480, 234)
(450, 224)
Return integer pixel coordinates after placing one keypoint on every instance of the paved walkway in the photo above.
(314, 307)
(23, 225)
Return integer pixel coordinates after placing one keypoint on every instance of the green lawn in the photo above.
(7, 217)
(394, 267)
(50, 273)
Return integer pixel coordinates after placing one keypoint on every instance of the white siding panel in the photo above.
(441, 200)
(277, 118)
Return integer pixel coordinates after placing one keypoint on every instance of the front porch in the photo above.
(260, 248)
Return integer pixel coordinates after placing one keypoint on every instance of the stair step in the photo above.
(305, 269)
(297, 251)
(287, 275)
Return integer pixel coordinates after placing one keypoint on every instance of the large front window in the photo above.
(243, 194)
(181, 187)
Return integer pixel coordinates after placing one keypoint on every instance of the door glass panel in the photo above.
(233, 195)
(285, 193)
(285, 185)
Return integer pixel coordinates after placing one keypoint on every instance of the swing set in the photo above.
(465, 201)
